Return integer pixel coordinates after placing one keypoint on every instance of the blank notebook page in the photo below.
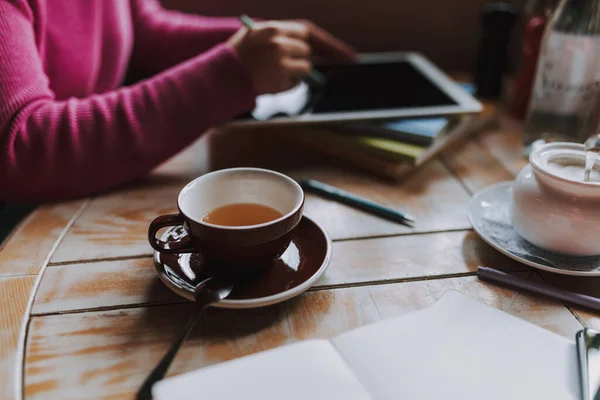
(461, 349)
(311, 369)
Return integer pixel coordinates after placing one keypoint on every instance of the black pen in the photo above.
(354, 201)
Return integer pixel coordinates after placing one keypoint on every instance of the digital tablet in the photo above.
(377, 86)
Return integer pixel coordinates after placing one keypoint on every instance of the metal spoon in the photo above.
(592, 142)
(206, 293)
(535, 259)
(592, 149)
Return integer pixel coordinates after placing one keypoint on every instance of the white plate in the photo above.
(489, 213)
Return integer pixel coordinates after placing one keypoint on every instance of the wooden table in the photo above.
(83, 315)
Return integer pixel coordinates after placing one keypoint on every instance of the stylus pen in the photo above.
(354, 201)
(314, 76)
(494, 275)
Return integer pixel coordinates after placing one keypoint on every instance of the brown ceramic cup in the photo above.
(233, 248)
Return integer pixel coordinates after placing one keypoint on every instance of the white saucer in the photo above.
(489, 213)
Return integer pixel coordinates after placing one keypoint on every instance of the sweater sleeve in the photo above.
(164, 37)
(53, 150)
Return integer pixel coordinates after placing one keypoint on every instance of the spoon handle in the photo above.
(145, 392)
(536, 259)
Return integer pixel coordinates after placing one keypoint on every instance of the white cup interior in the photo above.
(240, 185)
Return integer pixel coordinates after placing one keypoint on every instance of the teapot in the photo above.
(553, 207)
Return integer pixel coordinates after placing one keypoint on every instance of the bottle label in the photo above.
(568, 77)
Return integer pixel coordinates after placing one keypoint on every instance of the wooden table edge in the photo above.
(18, 378)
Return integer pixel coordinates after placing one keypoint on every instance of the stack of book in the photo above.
(371, 147)
(389, 149)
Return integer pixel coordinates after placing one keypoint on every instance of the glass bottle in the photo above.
(537, 14)
(564, 99)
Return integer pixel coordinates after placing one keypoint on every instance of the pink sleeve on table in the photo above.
(51, 150)
(164, 37)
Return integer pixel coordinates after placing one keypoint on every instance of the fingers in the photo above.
(291, 50)
(295, 30)
(296, 67)
(276, 55)
(291, 47)
(323, 42)
(292, 29)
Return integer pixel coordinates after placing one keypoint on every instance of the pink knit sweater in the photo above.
(67, 126)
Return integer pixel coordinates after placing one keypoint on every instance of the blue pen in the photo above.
(354, 201)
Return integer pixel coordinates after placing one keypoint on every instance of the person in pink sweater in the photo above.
(68, 126)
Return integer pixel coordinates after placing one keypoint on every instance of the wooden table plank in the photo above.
(505, 145)
(431, 195)
(578, 284)
(474, 166)
(591, 319)
(84, 286)
(25, 251)
(115, 225)
(412, 257)
(14, 296)
(118, 283)
(107, 354)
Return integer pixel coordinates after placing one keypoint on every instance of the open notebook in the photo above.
(457, 349)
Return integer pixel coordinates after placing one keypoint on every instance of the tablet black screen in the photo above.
(366, 87)
(376, 87)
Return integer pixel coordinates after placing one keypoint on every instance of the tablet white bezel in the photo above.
(466, 104)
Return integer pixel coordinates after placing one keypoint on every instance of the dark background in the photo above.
(446, 31)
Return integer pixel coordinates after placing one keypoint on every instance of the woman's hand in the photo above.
(276, 54)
